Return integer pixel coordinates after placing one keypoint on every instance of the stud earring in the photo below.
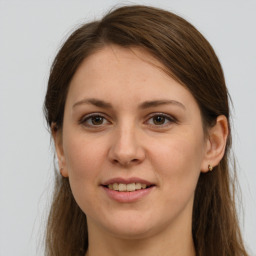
(210, 168)
(61, 169)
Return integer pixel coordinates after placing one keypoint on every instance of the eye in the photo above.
(160, 120)
(93, 120)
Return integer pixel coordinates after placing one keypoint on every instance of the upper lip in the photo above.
(127, 181)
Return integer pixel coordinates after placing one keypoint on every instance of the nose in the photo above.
(126, 149)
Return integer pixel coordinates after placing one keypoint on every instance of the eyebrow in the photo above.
(144, 105)
(156, 103)
(95, 102)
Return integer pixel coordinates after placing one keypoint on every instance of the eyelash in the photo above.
(167, 118)
(84, 119)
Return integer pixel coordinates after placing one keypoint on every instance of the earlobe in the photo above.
(216, 144)
(57, 137)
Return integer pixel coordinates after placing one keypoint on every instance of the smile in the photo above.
(127, 187)
(127, 190)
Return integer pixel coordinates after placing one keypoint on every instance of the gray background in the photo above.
(30, 34)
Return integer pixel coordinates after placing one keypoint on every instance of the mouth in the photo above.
(128, 190)
(130, 187)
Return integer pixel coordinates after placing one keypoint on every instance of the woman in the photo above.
(138, 109)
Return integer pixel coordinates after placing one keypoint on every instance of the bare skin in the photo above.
(126, 119)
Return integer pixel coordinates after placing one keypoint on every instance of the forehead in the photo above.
(127, 61)
(122, 74)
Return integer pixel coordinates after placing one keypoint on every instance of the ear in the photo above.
(216, 143)
(57, 137)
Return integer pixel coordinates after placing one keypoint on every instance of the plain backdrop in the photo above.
(31, 32)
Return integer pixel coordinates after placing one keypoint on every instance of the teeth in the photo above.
(130, 187)
(126, 187)
(137, 186)
(115, 186)
(122, 187)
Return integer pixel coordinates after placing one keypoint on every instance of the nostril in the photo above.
(125, 162)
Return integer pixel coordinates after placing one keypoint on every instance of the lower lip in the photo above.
(127, 197)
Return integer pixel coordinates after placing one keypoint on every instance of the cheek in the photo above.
(84, 162)
(83, 158)
(179, 151)
(178, 162)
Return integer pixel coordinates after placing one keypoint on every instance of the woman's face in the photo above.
(128, 125)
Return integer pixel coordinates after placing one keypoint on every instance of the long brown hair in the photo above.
(189, 59)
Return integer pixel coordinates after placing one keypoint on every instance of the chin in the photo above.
(130, 232)
(131, 226)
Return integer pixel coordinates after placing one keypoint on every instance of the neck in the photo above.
(149, 247)
(175, 241)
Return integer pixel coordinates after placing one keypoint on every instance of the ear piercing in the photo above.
(210, 168)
